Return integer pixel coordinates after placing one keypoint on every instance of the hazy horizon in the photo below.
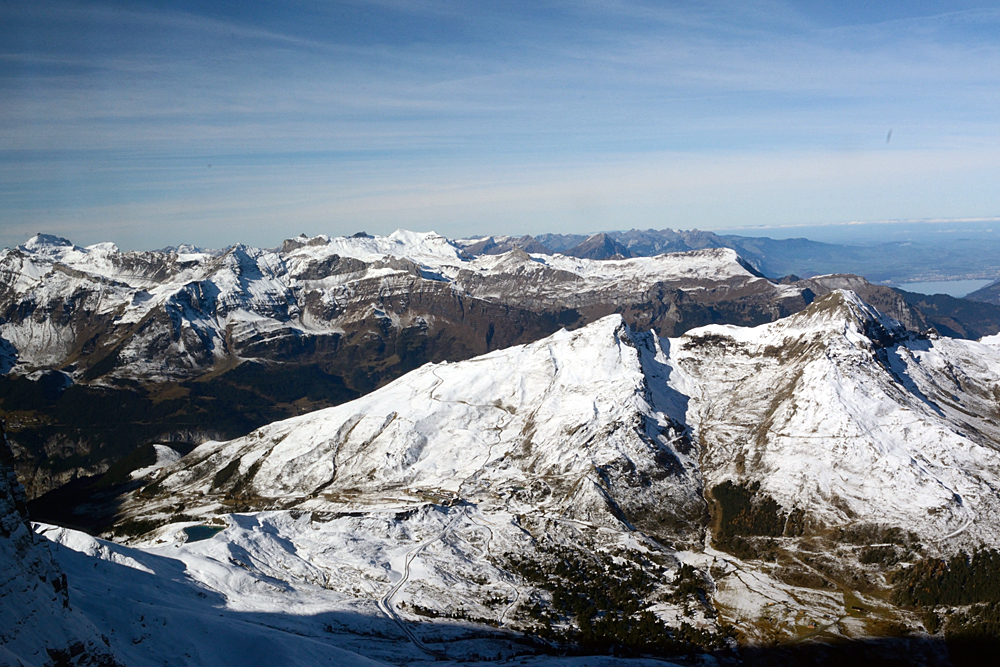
(849, 233)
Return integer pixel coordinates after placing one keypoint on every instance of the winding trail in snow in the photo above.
(385, 602)
(498, 433)
(506, 575)
(956, 533)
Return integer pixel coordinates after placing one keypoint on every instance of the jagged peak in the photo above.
(842, 313)
(301, 241)
(838, 315)
(845, 304)
(599, 246)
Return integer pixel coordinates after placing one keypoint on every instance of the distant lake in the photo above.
(957, 288)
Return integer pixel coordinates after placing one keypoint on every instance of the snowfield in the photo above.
(273, 589)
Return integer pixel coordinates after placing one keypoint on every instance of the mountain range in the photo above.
(387, 450)
(889, 263)
(187, 344)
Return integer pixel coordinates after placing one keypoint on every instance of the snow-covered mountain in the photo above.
(463, 486)
(569, 425)
(121, 330)
(162, 315)
(830, 410)
(838, 412)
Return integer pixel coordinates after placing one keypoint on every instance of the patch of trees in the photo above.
(974, 633)
(960, 580)
(121, 472)
(744, 512)
(136, 527)
(873, 533)
(689, 583)
(605, 597)
(881, 555)
(226, 474)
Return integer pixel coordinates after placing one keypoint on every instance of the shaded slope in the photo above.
(38, 624)
(988, 294)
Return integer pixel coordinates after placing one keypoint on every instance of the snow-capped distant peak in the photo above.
(41, 240)
(429, 249)
(48, 245)
(106, 247)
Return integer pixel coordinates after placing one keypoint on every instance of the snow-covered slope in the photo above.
(39, 623)
(610, 440)
(428, 249)
(169, 606)
(253, 596)
(420, 498)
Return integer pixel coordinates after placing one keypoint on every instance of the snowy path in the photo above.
(385, 603)
(956, 533)
(506, 576)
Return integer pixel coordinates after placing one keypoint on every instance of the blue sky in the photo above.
(157, 123)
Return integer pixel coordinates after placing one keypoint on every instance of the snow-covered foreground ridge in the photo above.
(425, 498)
(836, 411)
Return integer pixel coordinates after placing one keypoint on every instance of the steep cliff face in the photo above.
(38, 625)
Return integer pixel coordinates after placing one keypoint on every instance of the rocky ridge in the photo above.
(38, 625)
